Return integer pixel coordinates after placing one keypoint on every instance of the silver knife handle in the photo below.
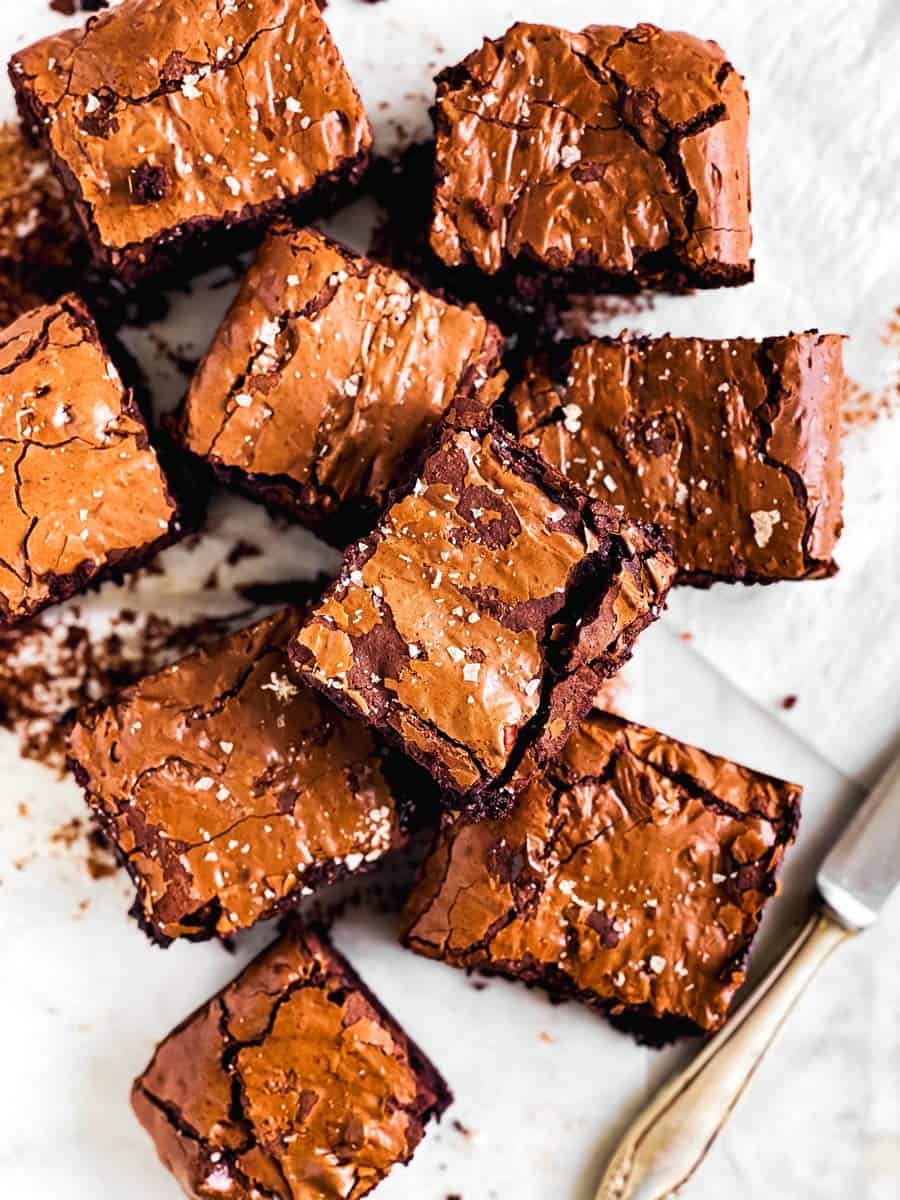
(671, 1136)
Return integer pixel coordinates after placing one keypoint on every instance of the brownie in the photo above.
(734, 447)
(293, 1082)
(39, 241)
(476, 623)
(170, 120)
(632, 876)
(326, 377)
(82, 494)
(614, 157)
(229, 789)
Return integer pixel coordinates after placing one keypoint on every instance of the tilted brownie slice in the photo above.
(293, 1082)
(175, 119)
(733, 447)
(326, 378)
(82, 493)
(632, 876)
(476, 623)
(229, 789)
(616, 157)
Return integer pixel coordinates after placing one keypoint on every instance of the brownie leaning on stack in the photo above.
(503, 557)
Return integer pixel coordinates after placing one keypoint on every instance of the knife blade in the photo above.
(863, 867)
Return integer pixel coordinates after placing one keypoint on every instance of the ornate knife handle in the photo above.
(669, 1139)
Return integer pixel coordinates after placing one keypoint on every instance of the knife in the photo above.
(670, 1138)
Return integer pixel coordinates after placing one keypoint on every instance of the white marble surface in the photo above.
(544, 1089)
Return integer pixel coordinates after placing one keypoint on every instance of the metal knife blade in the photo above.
(863, 867)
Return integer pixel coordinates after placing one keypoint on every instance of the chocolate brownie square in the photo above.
(169, 120)
(325, 379)
(733, 447)
(229, 789)
(82, 494)
(292, 1082)
(631, 876)
(475, 625)
(616, 158)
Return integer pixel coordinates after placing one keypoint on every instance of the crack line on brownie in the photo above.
(169, 85)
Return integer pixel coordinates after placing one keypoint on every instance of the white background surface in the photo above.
(544, 1089)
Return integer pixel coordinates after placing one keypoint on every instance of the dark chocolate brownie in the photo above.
(476, 623)
(175, 119)
(293, 1082)
(230, 789)
(39, 239)
(733, 447)
(617, 157)
(325, 379)
(631, 876)
(82, 493)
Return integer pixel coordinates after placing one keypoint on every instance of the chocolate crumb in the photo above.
(149, 183)
(68, 834)
(789, 702)
(68, 8)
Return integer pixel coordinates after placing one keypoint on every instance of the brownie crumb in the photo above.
(462, 1130)
(53, 664)
(68, 8)
(68, 834)
(789, 702)
(149, 183)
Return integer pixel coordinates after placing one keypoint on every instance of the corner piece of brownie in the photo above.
(631, 876)
(82, 494)
(292, 1082)
(476, 623)
(229, 789)
(326, 379)
(615, 156)
(169, 120)
(732, 446)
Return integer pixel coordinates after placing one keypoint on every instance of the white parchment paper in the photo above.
(542, 1090)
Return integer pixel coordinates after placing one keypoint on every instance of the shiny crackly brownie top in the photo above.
(80, 486)
(327, 372)
(603, 148)
(476, 621)
(230, 788)
(732, 446)
(292, 1082)
(168, 112)
(633, 874)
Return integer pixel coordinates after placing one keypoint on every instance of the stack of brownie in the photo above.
(511, 524)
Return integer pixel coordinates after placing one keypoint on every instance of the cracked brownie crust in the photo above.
(293, 1082)
(632, 876)
(475, 625)
(167, 119)
(229, 789)
(325, 379)
(733, 447)
(615, 155)
(81, 490)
